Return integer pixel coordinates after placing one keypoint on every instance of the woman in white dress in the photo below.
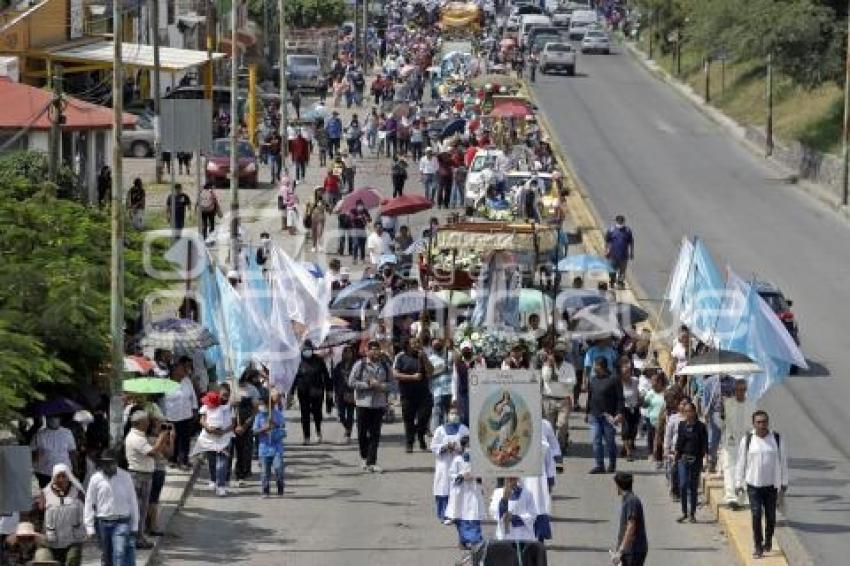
(446, 444)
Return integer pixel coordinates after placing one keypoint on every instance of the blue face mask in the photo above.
(466, 456)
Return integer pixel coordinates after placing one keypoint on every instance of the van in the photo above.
(304, 71)
(530, 21)
(580, 21)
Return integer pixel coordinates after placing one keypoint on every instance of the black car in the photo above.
(781, 305)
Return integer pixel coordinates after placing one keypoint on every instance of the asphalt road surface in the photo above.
(334, 514)
(644, 151)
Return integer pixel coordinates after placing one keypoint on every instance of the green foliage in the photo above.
(55, 280)
(304, 13)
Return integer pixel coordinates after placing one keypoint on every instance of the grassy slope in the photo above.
(812, 117)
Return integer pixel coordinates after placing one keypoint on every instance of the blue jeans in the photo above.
(689, 484)
(430, 184)
(712, 423)
(440, 411)
(601, 430)
(117, 545)
(219, 466)
(457, 195)
(269, 464)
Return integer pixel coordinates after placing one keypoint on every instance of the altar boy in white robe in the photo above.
(466, 500)
(446, 446)
(540, 487)
(512, 506)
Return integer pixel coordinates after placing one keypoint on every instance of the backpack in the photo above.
(207, 201)
(775, 436)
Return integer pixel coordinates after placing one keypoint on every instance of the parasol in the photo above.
(626, 314)
(453, 127)
(511, 110)
(354, 295)
(338, 337)
(370, 196)
(720, 361)
(585, 263)
(406, 204)
(140, 364)
(456, 298)
(412, 302)
(178, 334)
(150, 385)
(573, 300)
(419, 246)
(55, 406)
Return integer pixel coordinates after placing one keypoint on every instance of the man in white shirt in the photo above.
(377, 244)
(737, 415)
(112, 511)
(681, 350)
(52, 445)
(762, 468)
(428, 166)
(141, 462)
(180, 408)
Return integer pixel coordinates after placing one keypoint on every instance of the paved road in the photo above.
(333, 514)
(644, 151)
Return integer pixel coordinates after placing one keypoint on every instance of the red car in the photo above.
(218, 163)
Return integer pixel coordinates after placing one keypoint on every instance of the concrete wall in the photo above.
(808, 164)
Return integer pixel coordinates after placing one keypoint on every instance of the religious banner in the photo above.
(505, 423)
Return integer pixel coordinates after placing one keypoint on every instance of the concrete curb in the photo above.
(733, 128)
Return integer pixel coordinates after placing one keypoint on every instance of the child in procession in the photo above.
(446, 445)
(514, 511)
(466, 499)
(540, 488)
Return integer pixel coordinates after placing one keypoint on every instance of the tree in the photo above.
(304, 13)
(54, 282)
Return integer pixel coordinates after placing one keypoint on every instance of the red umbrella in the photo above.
(511, 110)
(407, 204)
(371, 198)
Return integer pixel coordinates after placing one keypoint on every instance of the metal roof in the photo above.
(134, 54)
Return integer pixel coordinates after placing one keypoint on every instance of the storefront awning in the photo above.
(132, 54)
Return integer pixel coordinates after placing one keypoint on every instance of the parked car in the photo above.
(218, 163)
(596, 41)
(558, 56)
(561, 16)
(139, 142)
(303, 71)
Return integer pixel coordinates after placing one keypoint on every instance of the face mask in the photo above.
(360, 207)
(307, 353)
(53, 423)
(466, 456)
(454, 418)
(109, 469)
(263, 409)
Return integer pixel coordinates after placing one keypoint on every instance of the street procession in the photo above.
(356, 299)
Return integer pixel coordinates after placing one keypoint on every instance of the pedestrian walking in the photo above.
(558, 378)
(136, 204)
(209, 207)
(104, 186)
(51, 445)
(177, 217)
(299, 151)
(334, 130)
(274, 151)
(270, 428)
(399, 176)
(605, 409)
(295, 99)
(446, 445)
(218, 422)
(413, 371)
(737, 423)
(62, 503)
(631, 405)
(359, 218)
(619, 249)
(676, 404)
(691, 449)
(762, 469)
(540, 487)
(343, 393)
(315, 214)
(312, 381)
(632, 543)
(246, 410)
(352, 136)
(141, 463)
(371, 379)
(459, 186)
(184, 162)
(513, 509)
(180, 408)
(715, 389)
(466, 499)
(112, 512)
(442, 360)
(378, 244)
(332, 187)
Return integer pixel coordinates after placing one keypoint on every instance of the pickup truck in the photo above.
(558, 56)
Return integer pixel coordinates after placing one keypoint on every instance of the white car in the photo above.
(558, 56)
(480, 173)
(596, 41)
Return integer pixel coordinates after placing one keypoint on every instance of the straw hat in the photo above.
(26, 530)
(43, 556)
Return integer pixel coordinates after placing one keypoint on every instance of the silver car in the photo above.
(596, 41)
(139, 141)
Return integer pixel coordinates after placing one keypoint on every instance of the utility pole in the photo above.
(208, 69)
(707, 73)
(116, 310)
(157, 97)
(365, 35)
(845, 170)
(56, 121)
(651, 15)
(284, 102)
(234, 140)
(769, 96)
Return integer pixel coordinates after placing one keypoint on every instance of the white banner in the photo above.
(505, 423)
